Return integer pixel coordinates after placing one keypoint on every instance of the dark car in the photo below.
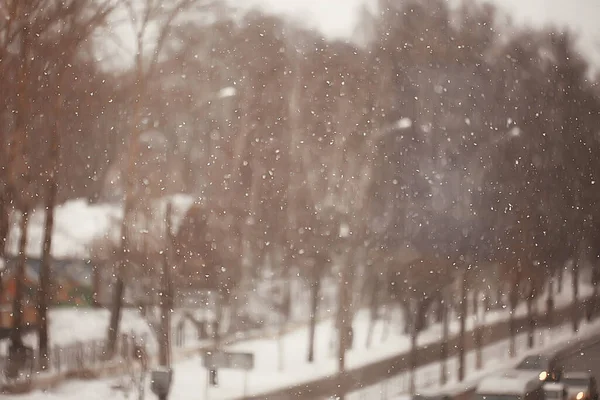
(425, 397)
(581, 386)
(548, 368)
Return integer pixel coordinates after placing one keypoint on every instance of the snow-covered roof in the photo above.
(510, 383)
(153, 139)
(577, 375)
(77, 224)
(554, 387)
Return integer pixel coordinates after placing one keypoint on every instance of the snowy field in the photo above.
(282, 363)
(72, 325)
(190, 376)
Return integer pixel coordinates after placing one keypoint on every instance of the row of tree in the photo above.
(440, 133)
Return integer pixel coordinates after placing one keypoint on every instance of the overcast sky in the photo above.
(339, 17)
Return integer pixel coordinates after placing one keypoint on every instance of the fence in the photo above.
(89, 358)
(80, 359)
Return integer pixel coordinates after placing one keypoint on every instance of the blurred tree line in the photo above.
(436, 151)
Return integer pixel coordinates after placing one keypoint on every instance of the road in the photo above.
(374, 373)
(587, 358)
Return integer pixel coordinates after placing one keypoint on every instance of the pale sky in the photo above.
(337, 18)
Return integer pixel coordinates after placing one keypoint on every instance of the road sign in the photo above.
(222, 359)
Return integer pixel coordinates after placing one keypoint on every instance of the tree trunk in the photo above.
(166, 297)
(514, 298)
(96, 286)
(342, 319)
(164, 354)
(285, 314)
(439, 310)
(18, 153)
(219, 300)
(115, 313)
(409, 318)
(4, 230)
(17, 322)
(530, 323)
(560, 273)
(421, 315)
(288, 301)
(550, 302)
(575, 283)
(280, 347)
(44, 296)
(117, 301)
(595, 283)
(498, 303)
(462, 338)
(412, 363)
(444, 345)
(128, 205)
(478, 347)
(315, 291)
(373, 309)
(387, 321)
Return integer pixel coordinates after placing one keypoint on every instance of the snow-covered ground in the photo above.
(282, 363)
(72, 325)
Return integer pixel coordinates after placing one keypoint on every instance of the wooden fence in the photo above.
(83, 359)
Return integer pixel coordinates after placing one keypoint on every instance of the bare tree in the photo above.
(143, 16)
(76, 24)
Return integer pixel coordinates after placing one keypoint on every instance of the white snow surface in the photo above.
(189, 375)
(72, 325)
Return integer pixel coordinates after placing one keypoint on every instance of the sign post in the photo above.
(213, 360)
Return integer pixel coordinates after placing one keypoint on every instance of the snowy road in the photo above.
(586, 359)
